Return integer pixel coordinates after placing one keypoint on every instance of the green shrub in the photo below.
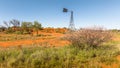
(26, 32)
(18, 32)
(9, 30)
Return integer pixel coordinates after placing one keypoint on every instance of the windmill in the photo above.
(71, 24)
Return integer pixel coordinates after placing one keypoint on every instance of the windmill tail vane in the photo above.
(65, 10)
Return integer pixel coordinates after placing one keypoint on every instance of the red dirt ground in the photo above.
(55, 41)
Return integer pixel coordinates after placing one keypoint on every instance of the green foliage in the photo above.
(9, 31)
(58, 57)
(26, 25)
(18, 32)
(21, 28)
(37, 26)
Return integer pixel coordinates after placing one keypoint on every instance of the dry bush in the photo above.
(89, 37)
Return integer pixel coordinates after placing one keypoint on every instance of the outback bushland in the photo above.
(16, 27)
(87, 50)
(46, 34)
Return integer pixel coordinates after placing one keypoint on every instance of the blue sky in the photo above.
(87, 13)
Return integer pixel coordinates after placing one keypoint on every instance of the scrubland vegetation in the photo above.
(88, 48)
(16, 27)
(57, 57)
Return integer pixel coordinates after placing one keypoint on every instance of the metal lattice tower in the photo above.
(71, 24)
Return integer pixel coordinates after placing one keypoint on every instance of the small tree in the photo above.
(7, 24)
(15, 23)
(37, 26)
(26, 26)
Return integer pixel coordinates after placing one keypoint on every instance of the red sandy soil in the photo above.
(56, 41)
(51, 42)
